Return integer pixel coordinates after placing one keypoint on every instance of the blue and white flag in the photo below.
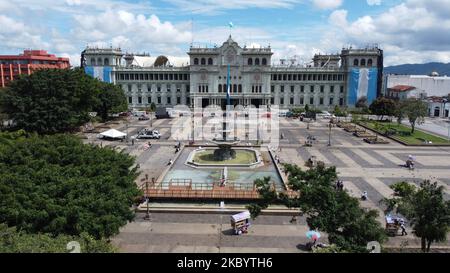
(230, 24)
(228, 86)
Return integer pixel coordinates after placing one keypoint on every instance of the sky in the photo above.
(409, 31)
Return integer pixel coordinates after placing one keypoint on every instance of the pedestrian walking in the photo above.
(403, 227)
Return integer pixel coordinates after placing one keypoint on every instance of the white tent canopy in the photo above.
(113, 133)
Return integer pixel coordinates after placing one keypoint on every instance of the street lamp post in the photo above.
(147, 214)
(449, 132)
(126, 126)
(329, 134)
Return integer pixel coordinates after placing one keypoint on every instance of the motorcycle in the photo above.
(410, 165)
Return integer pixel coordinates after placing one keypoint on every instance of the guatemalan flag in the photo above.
(228, 87)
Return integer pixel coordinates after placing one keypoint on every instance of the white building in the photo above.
(432, 85)
(434, 88)
(202, 78)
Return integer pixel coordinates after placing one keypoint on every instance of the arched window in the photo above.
(106, 62)
(224, 88)
(240, 88)
(235, 88)
(250, 61)
(196, 61)
(210, 61)
(363, 62)
(99, 61)
(92, 61)
(369, 63)
(257, 61)
(264, 61)
(356, 62)
(220, 88)
(203, 61)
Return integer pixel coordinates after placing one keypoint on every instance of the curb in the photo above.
(280, 212)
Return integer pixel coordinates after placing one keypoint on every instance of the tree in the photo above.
(425, 208)
(307, 108)
(58, 185)
(362, 104)
(111, 100)
(399, 112)
(383, 107)
(152, 107)
(416, 111)
(348, 225)
(14, 241)
(338, 112)
(52, 101)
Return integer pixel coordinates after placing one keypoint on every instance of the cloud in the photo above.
(216, 6)
(416, 27)
(327, 4)
(373, 2)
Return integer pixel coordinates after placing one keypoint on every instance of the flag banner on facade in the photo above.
(362, 83)
(100, 73)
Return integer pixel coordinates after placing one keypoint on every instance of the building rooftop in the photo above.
(401, 88)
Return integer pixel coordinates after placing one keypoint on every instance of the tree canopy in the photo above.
(425, 208)
(383, 107)
(52, 101)
(14, 241)
(58, 185)
(415, 110)
(335, 212)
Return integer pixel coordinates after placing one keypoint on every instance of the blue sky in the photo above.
(410, 31)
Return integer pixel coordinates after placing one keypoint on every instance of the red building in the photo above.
(11, 66)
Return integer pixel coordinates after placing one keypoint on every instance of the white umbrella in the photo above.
(113, 133)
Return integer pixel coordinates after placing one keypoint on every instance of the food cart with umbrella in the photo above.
(240, 222)
(314, 236)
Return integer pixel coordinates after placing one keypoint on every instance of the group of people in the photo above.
(340, 185)
(277, 159)
(177, 147)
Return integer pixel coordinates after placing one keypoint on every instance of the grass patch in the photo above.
(242, 157)
(403, 133)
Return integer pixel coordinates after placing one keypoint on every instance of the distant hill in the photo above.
(419, 69)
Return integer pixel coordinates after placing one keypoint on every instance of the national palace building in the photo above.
(329, 80)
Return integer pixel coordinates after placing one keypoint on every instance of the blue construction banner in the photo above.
(362, 82)
(102, 73)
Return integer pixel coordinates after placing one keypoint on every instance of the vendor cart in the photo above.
(240, 222)
(393, 224)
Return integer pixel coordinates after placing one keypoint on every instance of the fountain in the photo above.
(225, 151)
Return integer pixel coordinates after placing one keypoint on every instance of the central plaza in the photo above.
(197, 225)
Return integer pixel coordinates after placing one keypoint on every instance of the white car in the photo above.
(326, 115)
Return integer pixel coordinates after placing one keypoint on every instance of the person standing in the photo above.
(403, 227)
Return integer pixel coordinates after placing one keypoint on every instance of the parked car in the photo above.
(144, 117)
(328, 115)
(148, 134)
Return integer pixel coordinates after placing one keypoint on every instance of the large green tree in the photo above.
(52, 101)
(425, 208)
(349, 226)
(383, 107)
(58, 185)
(111, 100)
(14, 241)
(416, 111)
